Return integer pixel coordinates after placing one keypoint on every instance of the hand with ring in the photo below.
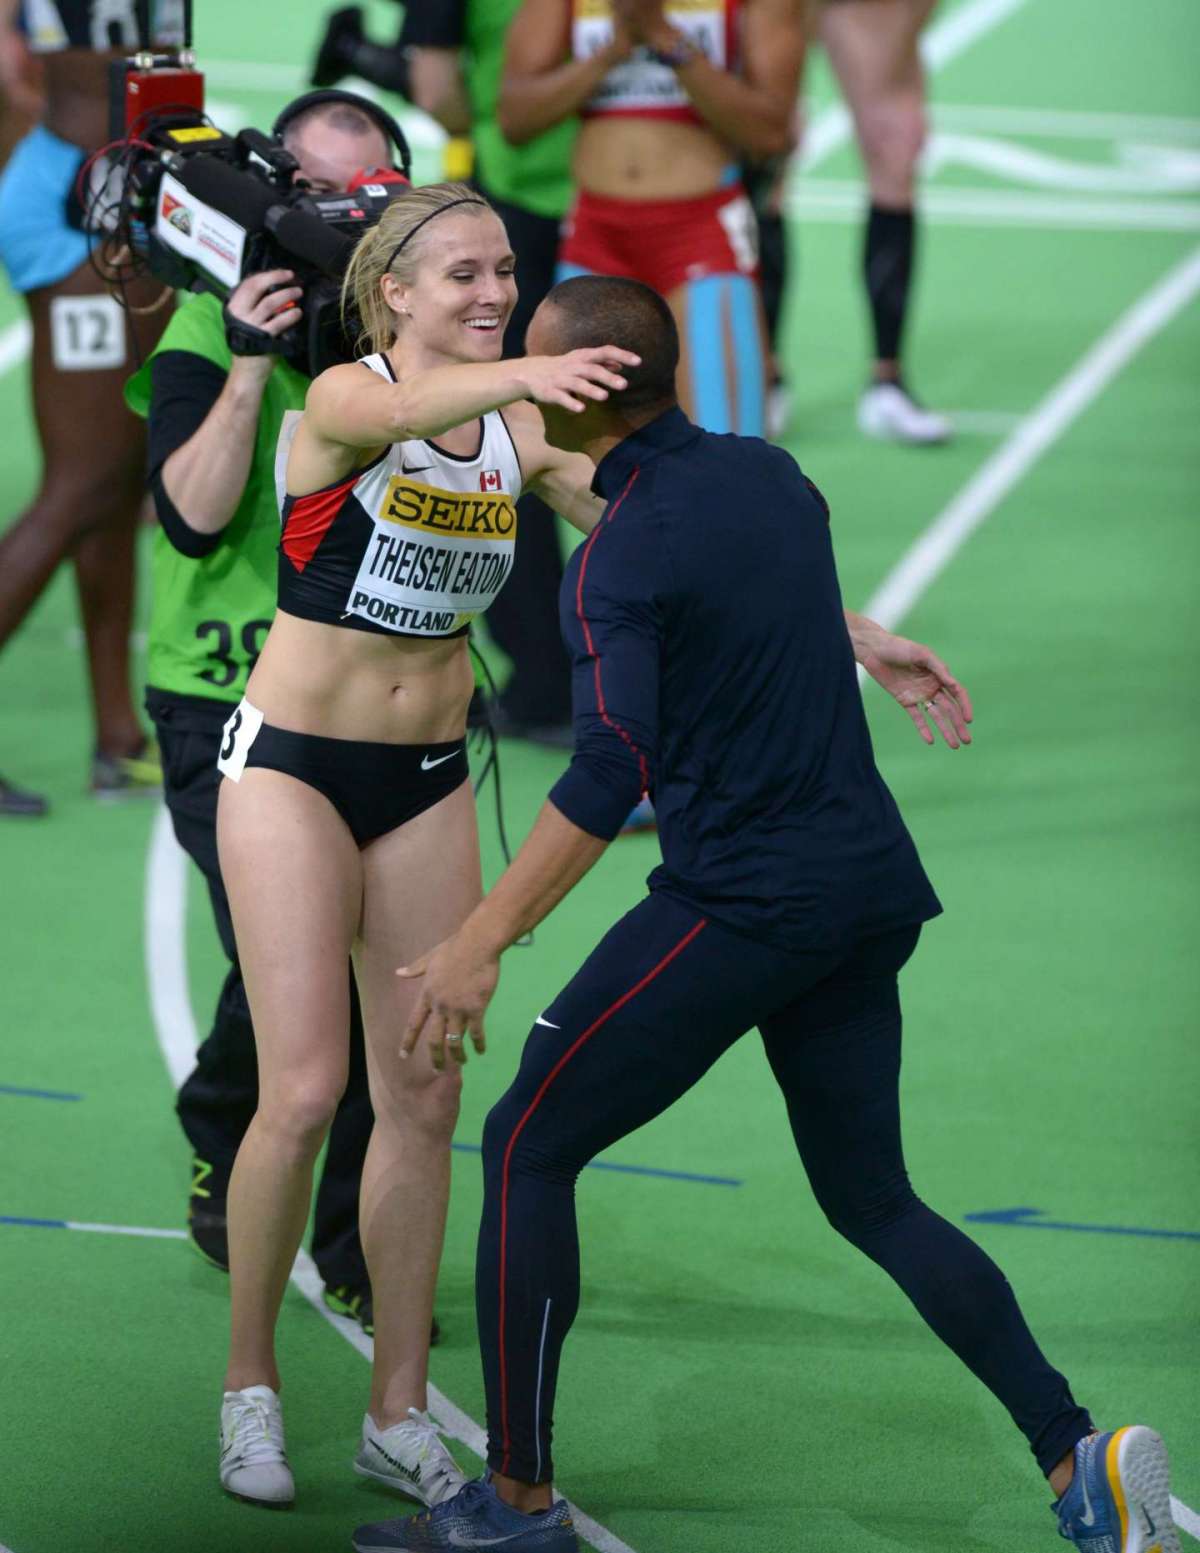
(457, 981)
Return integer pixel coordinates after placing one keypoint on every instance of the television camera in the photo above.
(175, 195)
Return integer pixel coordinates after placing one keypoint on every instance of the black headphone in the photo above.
(378, 115)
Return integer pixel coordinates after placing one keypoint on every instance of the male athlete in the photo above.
(712, 663)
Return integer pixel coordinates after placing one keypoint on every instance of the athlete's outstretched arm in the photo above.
(349, 408)
(752, 110)
(541, 86)
(616, 653)
(562, 480)
(914, 676)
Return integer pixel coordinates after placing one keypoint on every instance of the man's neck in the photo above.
(617, 431)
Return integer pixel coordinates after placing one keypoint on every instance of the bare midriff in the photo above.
(623, 156)
(347, 684)
(76, 86)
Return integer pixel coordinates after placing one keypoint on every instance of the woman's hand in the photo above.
(573, 379)
(644, 22)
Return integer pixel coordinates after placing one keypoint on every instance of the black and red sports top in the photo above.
(416, 544)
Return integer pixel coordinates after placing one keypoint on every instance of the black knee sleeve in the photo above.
(887, 269)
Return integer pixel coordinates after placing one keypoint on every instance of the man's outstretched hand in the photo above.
(916, 677)
(458, 981)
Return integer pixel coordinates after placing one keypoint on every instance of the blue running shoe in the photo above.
(475, 1518)
(1119, 1500)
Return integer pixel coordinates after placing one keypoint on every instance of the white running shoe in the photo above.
(410, 1458)
(254, 1465)
(888, 411)
(779, 408)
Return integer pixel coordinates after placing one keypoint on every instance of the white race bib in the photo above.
(238, 734)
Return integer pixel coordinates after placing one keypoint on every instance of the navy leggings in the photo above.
(661, 998)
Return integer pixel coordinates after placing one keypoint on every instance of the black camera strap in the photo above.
(246, 339)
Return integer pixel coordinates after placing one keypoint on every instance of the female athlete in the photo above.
(671, 97)
(84, 345)
(346, 824)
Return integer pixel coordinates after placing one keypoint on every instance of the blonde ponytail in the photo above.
(376, 256)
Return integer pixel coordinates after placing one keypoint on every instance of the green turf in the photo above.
(738, 1379)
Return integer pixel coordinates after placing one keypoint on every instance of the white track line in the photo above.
(1064, 124)
(949, 37)
(925, 561)
(842, 200)
(128, 1229)
(175, 1029)
(14, 347)
(1187, 1520)
(166, 949)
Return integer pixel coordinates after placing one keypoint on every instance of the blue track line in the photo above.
(37, 1094)
(8, 1218)
(633, 1170)
(1030, 1218)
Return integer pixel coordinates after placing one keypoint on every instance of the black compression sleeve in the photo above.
(434, 24)
(183, 389)
(187, 540)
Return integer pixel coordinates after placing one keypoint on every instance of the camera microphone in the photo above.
(242, 199)
(309, 238)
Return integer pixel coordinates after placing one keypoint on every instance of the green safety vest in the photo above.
(210, 614)
(536, 176)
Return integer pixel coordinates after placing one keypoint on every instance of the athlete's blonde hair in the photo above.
(376, 255)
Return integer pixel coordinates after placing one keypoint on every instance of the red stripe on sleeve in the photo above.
(309, 518)
(587, 635)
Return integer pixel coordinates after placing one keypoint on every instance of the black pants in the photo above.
(219, 1098)
(661, 998)
(523, 620)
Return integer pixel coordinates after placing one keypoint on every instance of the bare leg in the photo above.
(294, 879)
(420, 882)
(873, 48)
(93, 452)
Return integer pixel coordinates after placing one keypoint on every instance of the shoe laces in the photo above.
(470, 1496)
(445, 1476)
(256, 1431)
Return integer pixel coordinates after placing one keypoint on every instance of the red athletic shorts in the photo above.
(664, 243)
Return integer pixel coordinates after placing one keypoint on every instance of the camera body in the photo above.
(201, 209)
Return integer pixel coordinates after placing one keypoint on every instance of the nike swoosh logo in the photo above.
(428, 765)
(458, 1541)
(1089, 1519)
(414, 469)
(413, 1474)
(540, 1021)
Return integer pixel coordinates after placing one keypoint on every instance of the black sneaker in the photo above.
(206, 1225)
(359, 1306)
(16, 801)
(335, 59)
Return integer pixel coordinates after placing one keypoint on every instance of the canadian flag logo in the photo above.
(489, 480)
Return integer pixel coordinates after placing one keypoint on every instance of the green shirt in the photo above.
(210, 615)
(536, 176)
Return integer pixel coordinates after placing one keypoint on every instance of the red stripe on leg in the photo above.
(530, 1109)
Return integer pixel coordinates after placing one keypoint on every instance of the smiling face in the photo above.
(463, 291)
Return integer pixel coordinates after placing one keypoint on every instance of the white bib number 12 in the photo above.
(87, 333)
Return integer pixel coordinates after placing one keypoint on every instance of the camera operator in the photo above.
(216, 397)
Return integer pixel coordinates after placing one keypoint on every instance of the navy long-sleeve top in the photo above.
(712, 668)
